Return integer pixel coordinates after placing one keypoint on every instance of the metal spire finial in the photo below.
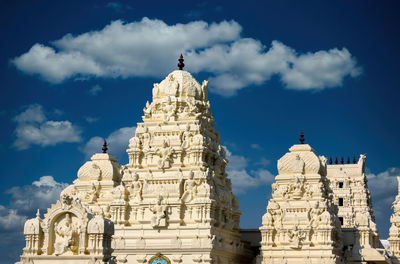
(302, 137)
(181, 64)
(105, 147)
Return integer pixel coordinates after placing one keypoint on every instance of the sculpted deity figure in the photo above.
(135, 189)
(296, 237)
(298, 165)
(93, 193)
(314, 215)
(165, 156)
(147, 110)
(296, 188)
(66, 236)
(169, 109)
(190, 188)
(118, 193)
(160, 214)
(146, 139)
(185, 137)
(155, 90)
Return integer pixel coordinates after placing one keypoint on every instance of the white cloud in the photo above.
(10, 219)
(40, 194)
(150, 47)
(26, 199)
(95, 90)
(243, 179)
(34, 128)
(383, 187)
(117, 142)
(22, 205)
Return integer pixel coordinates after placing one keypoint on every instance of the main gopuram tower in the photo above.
(172, 203)
(179, 201)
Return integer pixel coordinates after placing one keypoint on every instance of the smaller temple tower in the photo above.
(301, 223)
(353, 199)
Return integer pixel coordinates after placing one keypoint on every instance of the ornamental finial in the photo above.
(105, 147)
(302, 137)
(38, 213)
(181, 64)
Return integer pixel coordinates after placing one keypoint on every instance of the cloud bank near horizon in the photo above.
(150, 47)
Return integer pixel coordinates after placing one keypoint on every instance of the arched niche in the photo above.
(65, 229)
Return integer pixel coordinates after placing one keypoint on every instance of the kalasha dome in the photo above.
(173, 202)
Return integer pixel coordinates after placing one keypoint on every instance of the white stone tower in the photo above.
(352, 196)
(172, 203)
(179, 201)
(301, 223)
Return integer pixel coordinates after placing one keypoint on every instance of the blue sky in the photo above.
(74, 72)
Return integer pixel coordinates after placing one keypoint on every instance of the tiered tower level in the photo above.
(353, 199)
(172, 203)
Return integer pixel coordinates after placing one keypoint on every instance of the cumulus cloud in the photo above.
(117, 142)
(149, 48)
(242, 178)
(24, 200)
(40, 194)
(10, 219)
(383, 187)
(33, 128)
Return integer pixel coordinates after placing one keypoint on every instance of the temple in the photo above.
(173, 201)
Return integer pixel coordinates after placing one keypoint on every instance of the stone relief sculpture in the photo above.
(66, 236)
(135, 189)
(190, 188)
(165, 156)
(160, 212)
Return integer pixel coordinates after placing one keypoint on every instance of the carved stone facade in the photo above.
(301, 223)
(178, 197)
(173, 202)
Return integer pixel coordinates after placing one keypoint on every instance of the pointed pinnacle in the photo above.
(302, 137)
(181, 64)
(105, 147)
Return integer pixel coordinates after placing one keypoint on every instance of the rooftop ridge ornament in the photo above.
(181, 64)
(302, 137)
(105, 147)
